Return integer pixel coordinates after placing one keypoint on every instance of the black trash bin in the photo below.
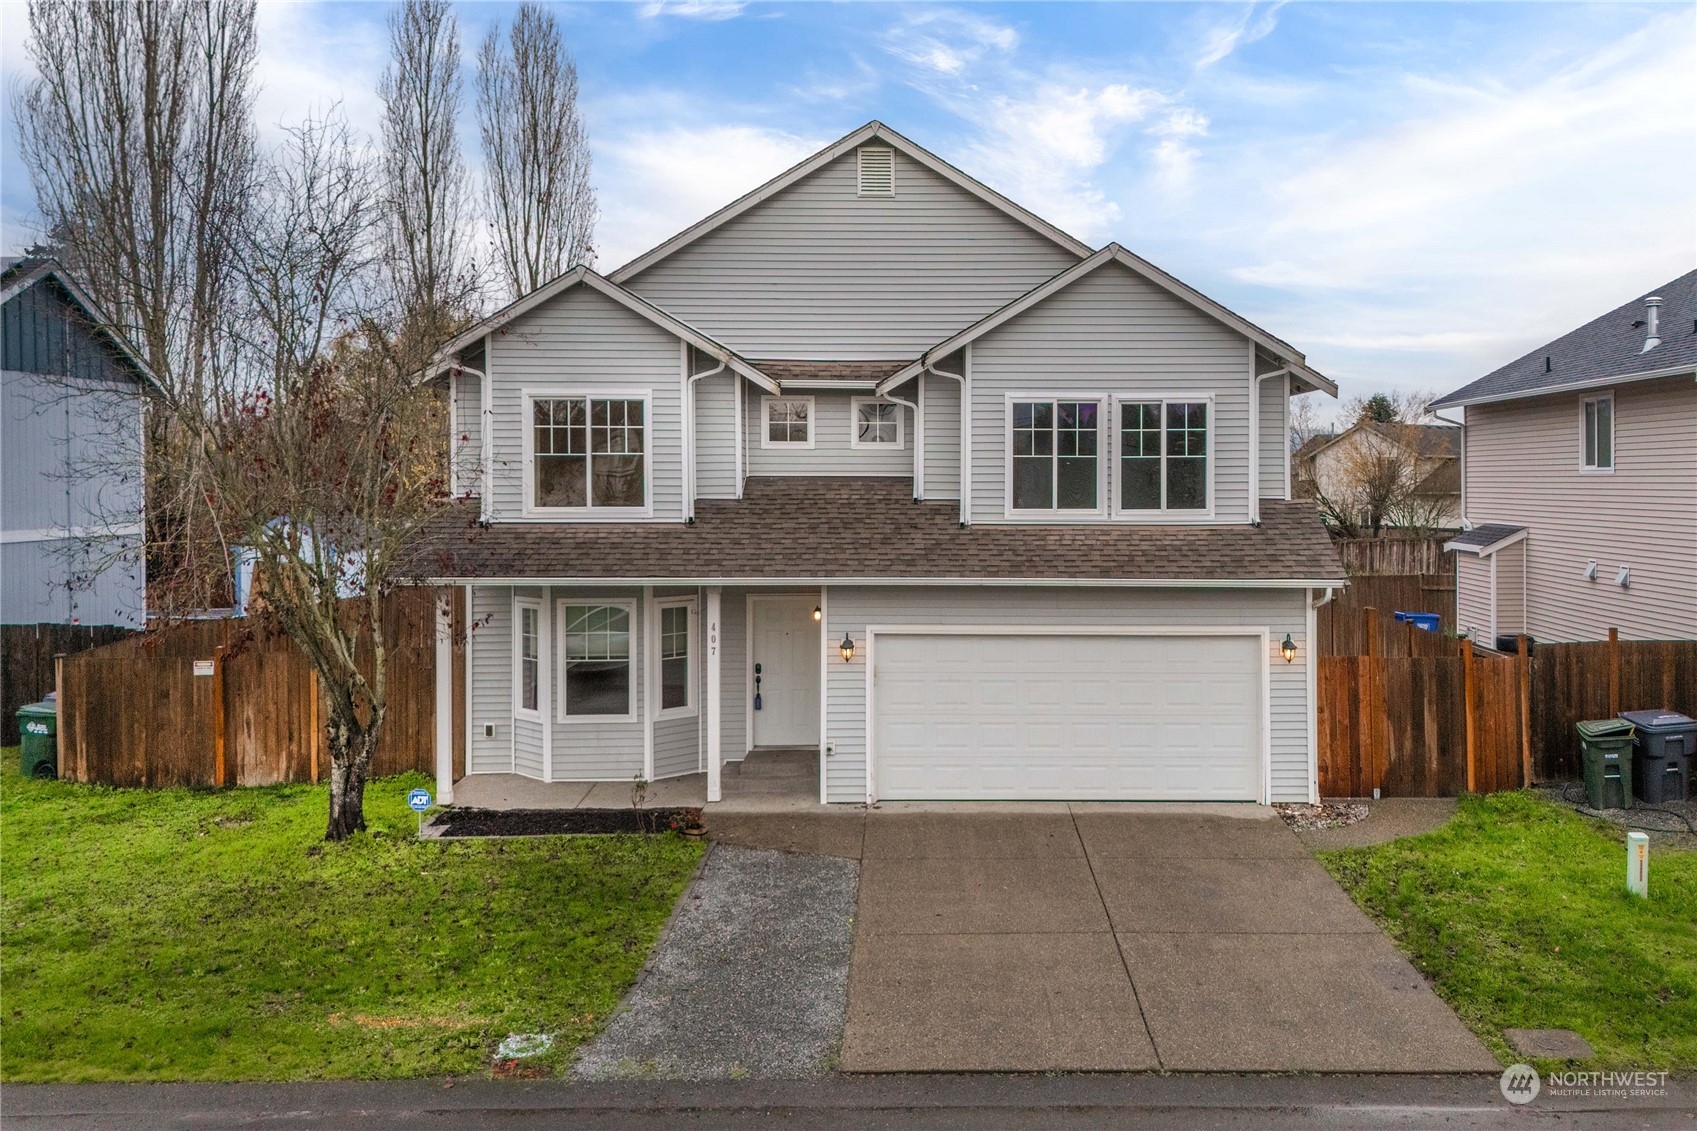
(1661, 754)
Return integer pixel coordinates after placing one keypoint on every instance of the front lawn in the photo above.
(193, 935)
(1518, 911)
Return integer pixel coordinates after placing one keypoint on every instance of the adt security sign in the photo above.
(418, 801)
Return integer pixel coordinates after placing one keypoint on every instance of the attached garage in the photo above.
(1030, 714)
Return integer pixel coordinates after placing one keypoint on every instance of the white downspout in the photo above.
(689, 428)
(918, 445)
(965, 441)
(486, 431)
(1255, 438)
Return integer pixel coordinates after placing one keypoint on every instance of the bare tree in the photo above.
(535, 152)
(424, 173)
(1384, 472)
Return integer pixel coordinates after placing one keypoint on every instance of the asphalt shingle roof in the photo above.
(1603, 349)
(1484, 535)
(871, 529)
(784, 370)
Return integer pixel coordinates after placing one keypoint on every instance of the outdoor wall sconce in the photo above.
(1288, 649)
(847, 647)
(818, 614)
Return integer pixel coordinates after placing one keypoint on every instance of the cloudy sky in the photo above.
(1412, 194)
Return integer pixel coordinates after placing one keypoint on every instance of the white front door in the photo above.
(786, 644)
(1067, 717)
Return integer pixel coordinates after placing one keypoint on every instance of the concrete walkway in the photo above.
(1125, 938)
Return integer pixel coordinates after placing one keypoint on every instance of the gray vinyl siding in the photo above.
(582, 339)
(716, 436)
(851, 609)
(942, 437)
(1522, 467)
(1275, 436)
(818, 272)
(832, 452)
(468, 434)
(733, 676)
(61, 581)
(489, 667)
(1509, 579)
(594, 748)
(677, 747)
(1473, 596)
(1112, 333)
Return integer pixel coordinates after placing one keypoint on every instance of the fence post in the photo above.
(218, 717)
(1374, 709)
(1525, 710)
(59, 705)
(1614, 672)
(312, 738)
(1467, 713)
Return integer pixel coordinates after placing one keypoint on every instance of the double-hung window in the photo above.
(789, 422)
(595, 672)
(877, 424)
(676, 684)
(1054, 455)
(1163, 455)
(1598, 422)
(588, 453)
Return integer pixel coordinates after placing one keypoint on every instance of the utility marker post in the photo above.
(1638, 864)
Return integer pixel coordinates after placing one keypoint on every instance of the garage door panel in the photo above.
(1056, 716)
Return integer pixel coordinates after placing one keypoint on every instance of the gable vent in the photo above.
(877, 171)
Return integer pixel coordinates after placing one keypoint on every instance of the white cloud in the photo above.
(694, 9)
(948, 41)
(654, 183)
(311, 58)
(1251, 23)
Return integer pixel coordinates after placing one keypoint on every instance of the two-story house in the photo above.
(71, 397)
(875, 463)
(1579, 481)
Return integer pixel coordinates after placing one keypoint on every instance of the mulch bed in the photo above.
(555, 822)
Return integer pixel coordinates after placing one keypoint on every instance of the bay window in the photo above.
(595, 673)
(676, 680)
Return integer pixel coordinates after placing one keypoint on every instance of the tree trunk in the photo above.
(351, 746)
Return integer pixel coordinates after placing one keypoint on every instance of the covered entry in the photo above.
(1034, 714)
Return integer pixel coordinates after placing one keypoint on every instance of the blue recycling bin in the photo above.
(1427, 621)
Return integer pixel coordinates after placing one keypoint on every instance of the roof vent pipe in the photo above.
(1652, 312)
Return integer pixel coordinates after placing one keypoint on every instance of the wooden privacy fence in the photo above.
(136, 713)
(27, 653)
(1448, 717)
(1394, 555)
(1340, 624)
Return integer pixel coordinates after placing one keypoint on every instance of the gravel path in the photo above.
(750, 978)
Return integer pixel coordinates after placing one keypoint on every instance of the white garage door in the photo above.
(1067, 717)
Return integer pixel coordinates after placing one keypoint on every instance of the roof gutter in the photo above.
(879, 582)
(1570, 387)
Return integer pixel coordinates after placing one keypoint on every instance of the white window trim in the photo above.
(855, 441)
(766, 440)
(1054, 515)
(527, 429)
(560, 714)
(1593, 469)
(692, 706)
(1163, 516)
(520, 711)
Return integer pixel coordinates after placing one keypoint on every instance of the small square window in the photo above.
(877, 424)
(789, 422)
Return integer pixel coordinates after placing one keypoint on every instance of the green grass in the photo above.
(1517, 910)
(193, 935)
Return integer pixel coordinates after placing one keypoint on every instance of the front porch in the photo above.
(769, 780)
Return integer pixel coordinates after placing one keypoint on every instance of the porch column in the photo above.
(444, 696)
(714, 708)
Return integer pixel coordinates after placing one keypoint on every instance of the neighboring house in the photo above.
(876, 463)
(1580, 481)
(71, 395)
(1409, 473)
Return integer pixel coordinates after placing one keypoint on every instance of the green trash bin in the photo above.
(1606, 747)
(38, 729)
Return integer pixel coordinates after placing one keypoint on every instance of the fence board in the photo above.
(26, 663)
(1339, 627)
(1392, 555)
(135, 714)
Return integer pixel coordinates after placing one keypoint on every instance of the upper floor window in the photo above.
(1598, 422)
(1163, 456)
(789, 422)
(1054, 455)
(589, 452)
(877, 424)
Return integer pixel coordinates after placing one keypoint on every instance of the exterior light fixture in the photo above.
(847, 647)
(1288, 649)
(818, 614)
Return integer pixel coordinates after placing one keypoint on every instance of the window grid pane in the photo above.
(589, 453)
(877, 424)
(674, 632)
(786, 422)
(530, 659)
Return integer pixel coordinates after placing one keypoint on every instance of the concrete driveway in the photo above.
(1108, 938)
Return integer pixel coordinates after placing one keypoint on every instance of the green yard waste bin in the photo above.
(1606, 747)
(38, 725)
